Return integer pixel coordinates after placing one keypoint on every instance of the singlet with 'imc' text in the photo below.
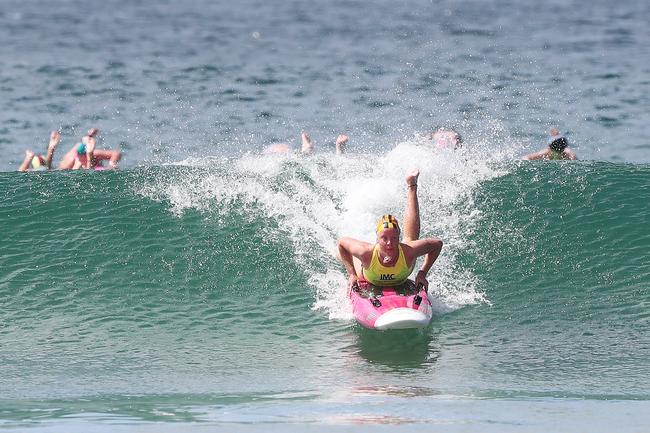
(380, 275)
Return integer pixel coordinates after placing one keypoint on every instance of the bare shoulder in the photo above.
(420, 247)
(570, 154)
(542, 154)
(68, 159)
(355, 246)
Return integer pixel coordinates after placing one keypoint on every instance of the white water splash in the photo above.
(319, 198)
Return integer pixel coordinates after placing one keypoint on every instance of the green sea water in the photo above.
(206, 293)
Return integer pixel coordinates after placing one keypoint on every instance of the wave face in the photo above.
(215, 279)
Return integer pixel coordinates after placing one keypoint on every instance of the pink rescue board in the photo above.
(384, 308)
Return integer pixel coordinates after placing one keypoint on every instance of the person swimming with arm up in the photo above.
(36, 162)
(389, 262)
(90, 158)
(558, 149)
(306, 146)
(84, 155)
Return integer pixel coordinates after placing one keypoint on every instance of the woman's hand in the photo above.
(421, 280)
(352, 281)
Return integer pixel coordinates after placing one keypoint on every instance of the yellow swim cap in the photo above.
(387, 222)
(37, 162)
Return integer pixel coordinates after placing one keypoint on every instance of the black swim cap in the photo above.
(559, 144)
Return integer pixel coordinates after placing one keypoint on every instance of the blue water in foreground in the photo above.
(196, 288)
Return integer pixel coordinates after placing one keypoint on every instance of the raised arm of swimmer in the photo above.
(90, 143)
(37, 162)
(51, 147)
(24, 166)
(94, 156)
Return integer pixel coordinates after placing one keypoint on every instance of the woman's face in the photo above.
(444, 139)
(388, 240)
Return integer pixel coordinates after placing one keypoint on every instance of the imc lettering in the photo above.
(386, 276)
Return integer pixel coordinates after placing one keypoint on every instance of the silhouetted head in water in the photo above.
(559, 144)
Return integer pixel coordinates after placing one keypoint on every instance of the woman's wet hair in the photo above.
(559, 144)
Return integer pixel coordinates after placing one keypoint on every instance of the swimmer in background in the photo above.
(446, 138)
(36, 162)
(558, 149)
(340, 144)
(307, 145)
(84, 155)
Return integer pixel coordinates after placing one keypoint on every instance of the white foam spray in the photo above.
(319, 198)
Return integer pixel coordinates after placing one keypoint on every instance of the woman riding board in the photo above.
(389, 262)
